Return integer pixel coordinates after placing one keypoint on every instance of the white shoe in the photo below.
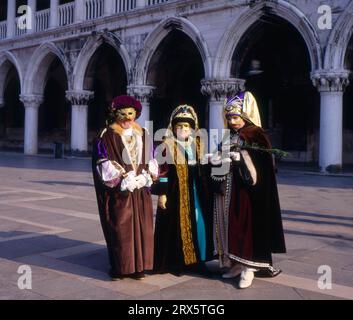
(246, 278)
(232, 272)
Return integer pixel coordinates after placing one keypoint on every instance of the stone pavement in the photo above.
(49, 221)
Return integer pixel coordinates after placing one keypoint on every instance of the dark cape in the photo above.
(126, 217)
(254, 220)
(178, 231)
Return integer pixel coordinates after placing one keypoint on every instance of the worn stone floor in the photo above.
(49, 222)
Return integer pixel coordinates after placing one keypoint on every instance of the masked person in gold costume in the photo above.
(183, 231)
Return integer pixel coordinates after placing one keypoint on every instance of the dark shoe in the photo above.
(114, 276)
(268, 273)
(138, 275)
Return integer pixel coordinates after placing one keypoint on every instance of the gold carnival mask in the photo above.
(126, 114)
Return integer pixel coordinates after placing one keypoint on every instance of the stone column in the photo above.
(31, 104)
(218, 90)
(33, 5)
(79, 119)
(108, 8)
(54, 13)
(80, 10)
(331, 86)
(143, 94)
(11, 15)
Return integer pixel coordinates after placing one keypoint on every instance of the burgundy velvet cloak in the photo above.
(126, 218)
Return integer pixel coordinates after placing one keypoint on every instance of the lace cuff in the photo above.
(110, 172)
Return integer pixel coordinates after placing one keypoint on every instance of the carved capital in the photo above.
(79, 98)
(31, 100)
(140, 92)
(221, 88)
(330, 81)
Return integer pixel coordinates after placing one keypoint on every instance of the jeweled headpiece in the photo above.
(184, 113)
(234, 105)
(244, 105)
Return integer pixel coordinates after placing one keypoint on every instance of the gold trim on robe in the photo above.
(184, 202)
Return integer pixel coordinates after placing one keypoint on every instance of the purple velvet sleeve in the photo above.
(102, 150)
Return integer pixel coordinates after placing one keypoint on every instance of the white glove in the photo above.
(217, 159)
(129, 182)
(235, 156)
(143, 180)
(205, 158)
(153, 168)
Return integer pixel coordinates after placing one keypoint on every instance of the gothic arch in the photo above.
(89, 50)
(6, 60)
(39, 64)
(283, 9)
(339, 40)
(155, 38)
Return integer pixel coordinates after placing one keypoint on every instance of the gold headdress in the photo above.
(243, 105)
(184, 113)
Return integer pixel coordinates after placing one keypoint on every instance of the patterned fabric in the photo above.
(185, 221)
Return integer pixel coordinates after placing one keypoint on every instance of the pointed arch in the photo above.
(339, 40)
(280, 8)
(89, 49)
(38, 67)
(8, 59)
(154, 39)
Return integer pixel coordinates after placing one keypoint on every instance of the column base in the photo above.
(79, 154)
(332, 168)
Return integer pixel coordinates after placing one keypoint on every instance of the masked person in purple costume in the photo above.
(123, 172)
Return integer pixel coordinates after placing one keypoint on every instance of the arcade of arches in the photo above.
(271, 56)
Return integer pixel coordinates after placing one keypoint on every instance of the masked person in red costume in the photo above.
(123, 172)
(248, 223)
